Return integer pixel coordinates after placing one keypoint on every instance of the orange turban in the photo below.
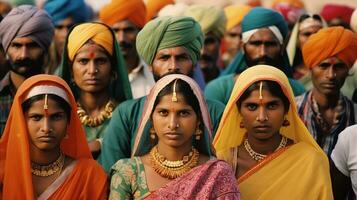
(118, 10)
(154, 6)
(235, 14)
(329, 42)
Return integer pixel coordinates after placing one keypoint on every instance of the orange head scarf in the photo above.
(329, 42)
(154, 6)
(15, 167)
(118, 10)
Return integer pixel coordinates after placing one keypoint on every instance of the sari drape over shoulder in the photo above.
(285, 174)
(87, 178)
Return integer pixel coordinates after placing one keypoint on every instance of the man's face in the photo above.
(25, 56)
(210, 51)
(125, 32)
(175, 60)
(61, 32)
(263, 48)
(232, 39)
(329, 76)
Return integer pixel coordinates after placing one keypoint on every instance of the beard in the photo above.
(126, 48)
(27, 67)
(158, 77)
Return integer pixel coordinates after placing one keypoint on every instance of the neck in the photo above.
(174, 153)
(44, 157)
(265, 146)
(325, 101)
(132, 61)
(93, 103)
(16, 79)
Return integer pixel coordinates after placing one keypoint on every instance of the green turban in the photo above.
(167, 32)
(210, 18)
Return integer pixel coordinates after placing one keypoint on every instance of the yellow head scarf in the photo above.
(235, 14)
(99, 33)
(230, 134)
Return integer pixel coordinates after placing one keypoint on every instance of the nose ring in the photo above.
(96, 70)
(177, 125)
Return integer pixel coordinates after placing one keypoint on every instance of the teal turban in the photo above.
(167, 32)
(260, 17)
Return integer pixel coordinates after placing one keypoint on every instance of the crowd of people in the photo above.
(165, 99)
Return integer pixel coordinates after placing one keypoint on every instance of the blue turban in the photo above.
(62, 9)
(260, 17)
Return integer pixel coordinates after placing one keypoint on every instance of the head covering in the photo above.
(119, 10)
(27, 21)
(230, 134)
(167, 32)
(16, 3)
(294, 36)
(177, 9)
(329, 42)
(211, 19)
(353, 22)
(260, 17)
(14, 144)
(154, 6)
(62, 9)
(290, 9)
(119, 89)
(235, 14)
(331, 11)
(89, 31)
(143, 137)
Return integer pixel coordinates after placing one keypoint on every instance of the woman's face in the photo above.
(46, 129)
(91, 68)
(262, 117)
(174, 122)
(306, 33)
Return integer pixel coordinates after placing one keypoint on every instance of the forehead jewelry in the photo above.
(45, 106)
(260, 92)
(174, 97)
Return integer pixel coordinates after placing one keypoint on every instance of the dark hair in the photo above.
(272, 86)
(26, 105)
(305, 16)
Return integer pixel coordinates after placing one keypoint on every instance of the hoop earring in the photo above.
(152, 133)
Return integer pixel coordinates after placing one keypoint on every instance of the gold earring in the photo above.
(198, 134)
(152, 133)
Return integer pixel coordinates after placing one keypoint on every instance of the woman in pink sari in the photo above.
(178, 162)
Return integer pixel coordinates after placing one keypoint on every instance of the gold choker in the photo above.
(48, 170)
(173, 169)
(96, 121)
(259, 157)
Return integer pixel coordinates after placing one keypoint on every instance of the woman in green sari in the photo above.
(94, 67)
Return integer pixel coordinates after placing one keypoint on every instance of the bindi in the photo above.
(45, 105)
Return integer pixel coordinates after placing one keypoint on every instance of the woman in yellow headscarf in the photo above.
(266, 143)
(43, 152)
(93, 64)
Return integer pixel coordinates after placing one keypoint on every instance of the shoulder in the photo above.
(310, 154)
(299, 99)
(349, 134)
(220, 81)
(127, 165)
(129, 107)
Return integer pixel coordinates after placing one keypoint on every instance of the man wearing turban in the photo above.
(263, 34)
(170, 45)
(213, 23)
(232, 38)
(25, 34)
(64, 13)
(127, 18)
(329, 54)
(337, 14)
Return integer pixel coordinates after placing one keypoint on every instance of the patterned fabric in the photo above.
(6, 99)
(212, 180)
(310, 115)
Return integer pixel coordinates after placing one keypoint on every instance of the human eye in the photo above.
(251, 106)
(255, 43)
(273, 105)
(102, 61)
(162, 112)
(83, 61)
(324, 65)
(164, 57)
(16, 45)
(35, 117)
(184, 113)
(58, 116)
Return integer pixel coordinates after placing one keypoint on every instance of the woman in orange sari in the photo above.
(43, 152)
(267, 145)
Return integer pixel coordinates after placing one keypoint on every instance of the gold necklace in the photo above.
(48, 170)
(259, 157)
(173, 169)
(95, 121)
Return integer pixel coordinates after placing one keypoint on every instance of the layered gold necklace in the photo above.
(173, 169)
(95, 121)
(259, 157)
(48, 170)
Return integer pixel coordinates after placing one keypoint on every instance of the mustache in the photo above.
(125, 45)
(206, 57)
(24, 62)
(264, 60)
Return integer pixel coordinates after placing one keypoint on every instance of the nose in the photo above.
(46, 125)
(262, 115)
(24, 52)
(173, 124)
(174, 65)
(330, 73)
(92, 68)
(120, 35)
(262, 51)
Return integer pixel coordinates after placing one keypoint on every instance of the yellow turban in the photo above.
(210, 18)
(99, 33)
(154, 6)
(235, 14)
(118, 10)
(329, 42)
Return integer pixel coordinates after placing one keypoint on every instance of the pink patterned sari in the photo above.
(212, 180)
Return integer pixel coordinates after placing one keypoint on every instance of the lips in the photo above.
(329, 85)
(47, 138)
(172, 135)
(262, 128)
(93, 81)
